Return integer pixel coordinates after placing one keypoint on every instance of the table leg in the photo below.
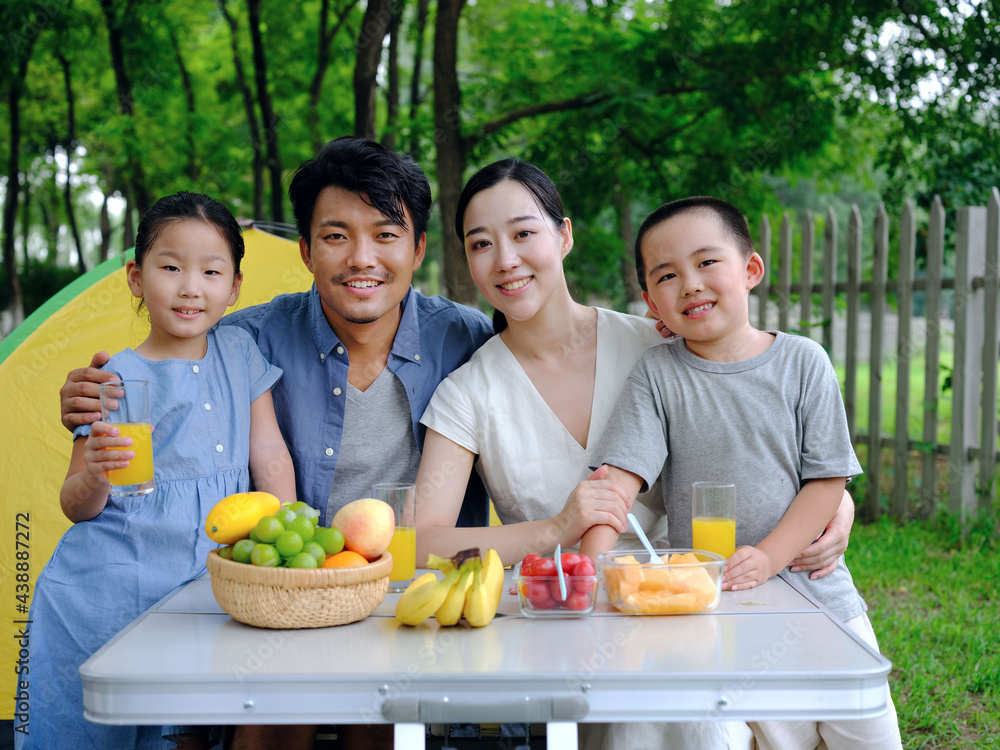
(411, 737)
(560, 735)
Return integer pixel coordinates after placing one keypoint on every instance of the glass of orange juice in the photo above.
(403, 546)
(713, 517)
(125, 404)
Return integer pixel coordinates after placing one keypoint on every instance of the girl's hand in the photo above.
(97, 459)
(746, 568)
(595, 501)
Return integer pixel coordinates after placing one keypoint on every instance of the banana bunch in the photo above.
(471, 586)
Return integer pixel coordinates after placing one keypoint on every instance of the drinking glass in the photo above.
(125, 404)
(403, 546)
(713, 517)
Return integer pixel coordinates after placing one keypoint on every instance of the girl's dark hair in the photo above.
(515, 170)
(184, 205)
(732, 220)
(386, 180)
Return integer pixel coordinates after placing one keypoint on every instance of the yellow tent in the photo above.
(94, 312)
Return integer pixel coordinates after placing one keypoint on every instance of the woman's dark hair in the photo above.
(385, 180)
(524, 173)
(184, 205)
(732, 220)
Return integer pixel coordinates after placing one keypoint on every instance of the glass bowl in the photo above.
(690, 581)
(539, 596)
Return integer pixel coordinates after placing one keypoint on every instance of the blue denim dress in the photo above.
(107, 571)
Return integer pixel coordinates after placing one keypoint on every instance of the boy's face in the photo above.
(698, 281)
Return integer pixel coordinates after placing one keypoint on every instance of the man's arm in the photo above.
(79, 400)
(806, 517)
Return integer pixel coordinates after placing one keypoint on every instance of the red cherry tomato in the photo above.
(528, 568)
(578, 600)
(544, 566)
(582, 575)
(556, 595)
(528, 559)
(537, 593)
(569, 561)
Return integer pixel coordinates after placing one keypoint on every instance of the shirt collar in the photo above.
(406, 344)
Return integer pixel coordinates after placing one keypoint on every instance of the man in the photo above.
(362, 351)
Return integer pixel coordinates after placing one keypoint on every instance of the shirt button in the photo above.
(340, 350)
(329, 451)
(208, 407)
(336, 391)
(416, 357)
(219, 448)
(322, 356)
(194, 368)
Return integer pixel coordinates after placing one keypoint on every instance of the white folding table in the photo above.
(767, 653)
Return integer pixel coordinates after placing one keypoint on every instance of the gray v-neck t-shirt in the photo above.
(377, 445)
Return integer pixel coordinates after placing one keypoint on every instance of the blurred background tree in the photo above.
(772, 104)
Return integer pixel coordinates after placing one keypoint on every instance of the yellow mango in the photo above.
(232, 517)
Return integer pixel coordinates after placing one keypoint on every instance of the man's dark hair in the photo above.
(733, 223)
(385, 180)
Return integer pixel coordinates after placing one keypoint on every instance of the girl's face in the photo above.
(187, 281)
(515, 252)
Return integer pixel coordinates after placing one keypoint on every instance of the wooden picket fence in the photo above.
(965, 467)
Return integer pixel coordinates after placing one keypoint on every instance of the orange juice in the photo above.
(714, 534)
(140, 468)
(403, 548)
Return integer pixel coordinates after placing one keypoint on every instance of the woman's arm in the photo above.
(270, 462)
(85, 491)
(444, 473)
(822, 555)
(602, 538)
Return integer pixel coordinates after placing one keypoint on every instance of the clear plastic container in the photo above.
(690, 581)
(539, 596)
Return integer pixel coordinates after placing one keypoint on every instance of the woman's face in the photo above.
(515, 252)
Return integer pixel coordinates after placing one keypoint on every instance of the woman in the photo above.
(527, 406)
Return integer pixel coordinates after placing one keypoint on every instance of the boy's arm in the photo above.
(270, 462)
(601, 538)
(810, 511)
(821, 557)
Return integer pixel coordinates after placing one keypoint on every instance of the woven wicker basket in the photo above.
(292, 598)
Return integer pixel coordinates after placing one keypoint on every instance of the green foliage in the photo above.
(39, 281)
(933, 602)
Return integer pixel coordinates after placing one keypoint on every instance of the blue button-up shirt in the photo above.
(434, 337)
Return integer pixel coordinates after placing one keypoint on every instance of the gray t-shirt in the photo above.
(378, 444)
(765, 424)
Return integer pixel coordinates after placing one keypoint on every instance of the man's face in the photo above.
(361, 260)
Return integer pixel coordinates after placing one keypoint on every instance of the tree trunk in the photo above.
(105, 229)
(374, 27)
(128, 224)
(136, 175)
(16, 304)
(623, 204)
(189, 98)
(267, 114)
(418, 62)
(326, 36)
(81, 264)
(458, 285)
(49, 204)
(251, 112)
(392, 93)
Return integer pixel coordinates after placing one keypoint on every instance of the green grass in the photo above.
(933, 601)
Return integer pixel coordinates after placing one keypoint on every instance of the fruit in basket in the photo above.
(345, 559)
(331, 540)
(232, 517)
(367, 526)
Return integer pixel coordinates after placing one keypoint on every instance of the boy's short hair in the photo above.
(732, 220)
(387, 180)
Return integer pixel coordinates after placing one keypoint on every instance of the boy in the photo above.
(759, 409)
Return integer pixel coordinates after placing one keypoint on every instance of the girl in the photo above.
(531, 402)
(214, 428)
